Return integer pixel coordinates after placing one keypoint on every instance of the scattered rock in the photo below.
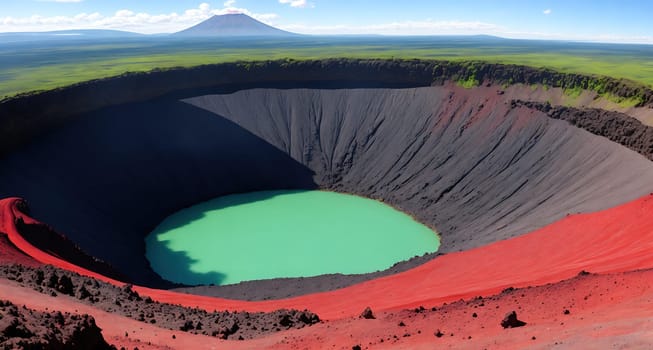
(65, 285)
(127, 302)
(83, 293)
(23, 328)
(187, 326)
(286, 321)
(511, 321)
(508, 290)
(308, 318)
(367, 314)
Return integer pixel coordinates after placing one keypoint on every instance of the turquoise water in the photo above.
(262, 235)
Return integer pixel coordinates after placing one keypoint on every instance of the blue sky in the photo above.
(598, 20)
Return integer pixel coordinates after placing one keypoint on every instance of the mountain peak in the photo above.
(230, 25)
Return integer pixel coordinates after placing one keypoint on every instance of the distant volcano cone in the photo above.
(232, 25)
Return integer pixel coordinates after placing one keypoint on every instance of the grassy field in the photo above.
(32, 66)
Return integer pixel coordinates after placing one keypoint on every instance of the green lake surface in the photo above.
(270, 234)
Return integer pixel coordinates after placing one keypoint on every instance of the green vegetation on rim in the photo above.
(468, 83)
(573, 92)
(622, 101)
(467, 74)
(31, 68)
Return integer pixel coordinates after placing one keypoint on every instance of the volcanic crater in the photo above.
(477, 164)
(467, 162)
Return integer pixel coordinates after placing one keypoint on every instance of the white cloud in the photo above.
(547, 12)
(171, 22)
(127, 20)
(427, 27)
(295, 3)
(124, 13)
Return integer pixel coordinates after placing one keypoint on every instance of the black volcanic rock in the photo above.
(511, 321)
(367, 314)
(22, 328)
(31, 327)
(231, 25)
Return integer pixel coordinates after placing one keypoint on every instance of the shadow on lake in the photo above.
(178, 265)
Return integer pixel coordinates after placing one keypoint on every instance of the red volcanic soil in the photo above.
(9, 254)
(610, 307)
(604, 311)
(27, 254)
(614, 240)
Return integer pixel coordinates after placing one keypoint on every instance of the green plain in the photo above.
(271, 234)
(28, 67)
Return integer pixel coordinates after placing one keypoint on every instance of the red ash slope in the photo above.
(614, 240)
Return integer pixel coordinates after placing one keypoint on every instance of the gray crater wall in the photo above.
(464, 162)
